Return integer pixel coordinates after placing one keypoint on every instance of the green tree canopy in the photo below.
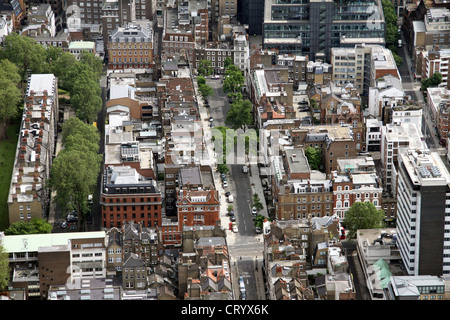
(76, 133)
(363, 215)
(75, 170)
(34, 226)
(95, 63)
(434, 81)
(314, 156)
(201, 80)
(10, 95)
(4, 268)
(204, 68)
(206, 90)
(234, 80)
(257, 202)
(222, 168)
(259, 221)
(25, 53)
(60, 68)
(240, 114)
(390, 17)
(85, 98)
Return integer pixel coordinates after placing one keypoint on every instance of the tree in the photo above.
(75, 170)
(363, 215)
(234, 80)
(201, 80)
(4, 268)
(95, 63)
(204, 68)
(227, 62)
(75, 133)
(61, 69)
(240, 114)
(398, 60)
(222, 168)
(434, 81)
(259, 221)
(34, 226)
(10, 95)
(74, 176)
(25, 53)
(85, 99)
(314, 156)
(205, 91)
(257, 203)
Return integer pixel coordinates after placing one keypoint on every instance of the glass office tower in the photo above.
(315, 26)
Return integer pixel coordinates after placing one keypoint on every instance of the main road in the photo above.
(412, 88)
(245, 246)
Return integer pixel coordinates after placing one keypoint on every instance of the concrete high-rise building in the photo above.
(311, 27)
(423, 212)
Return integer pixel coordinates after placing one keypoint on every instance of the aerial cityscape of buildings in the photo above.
(338, 117)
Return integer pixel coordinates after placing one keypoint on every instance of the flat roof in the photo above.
(32, 242)
(80, 45)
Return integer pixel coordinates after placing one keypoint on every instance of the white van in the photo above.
(230, 198)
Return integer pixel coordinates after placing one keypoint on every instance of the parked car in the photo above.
(245, 169)
(71, 218)
(230, 198)
(73, 226)
(227, 194)
(258, 229)
(211, 119)
(63, 225)
(235, 228)
(254, 211)
(233, 218)
(212, 125)
(225, 184)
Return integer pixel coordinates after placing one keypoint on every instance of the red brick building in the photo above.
(198, 208)
(131, 47)
(128, 196)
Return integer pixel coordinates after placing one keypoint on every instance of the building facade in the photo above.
(131, 47)
(422, 213)
(28, 196)
(128, 196)
(316, 26)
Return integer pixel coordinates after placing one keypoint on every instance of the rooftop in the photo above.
(32, 242)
